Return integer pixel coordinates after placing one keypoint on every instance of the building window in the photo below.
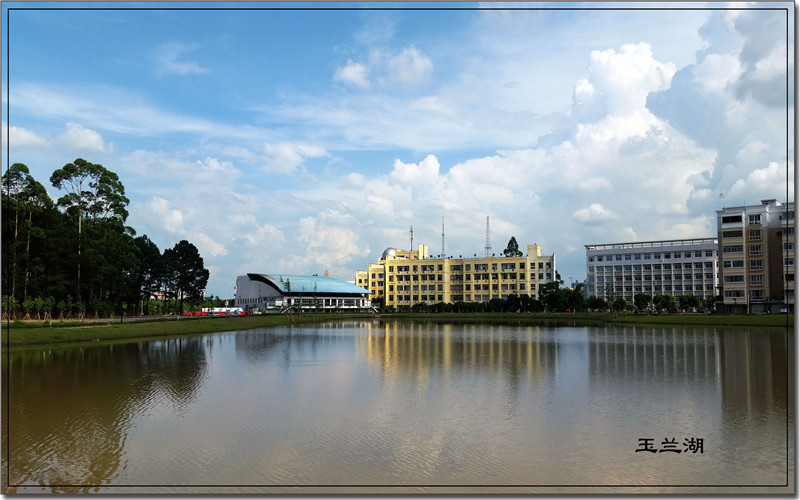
(756, 264)
(788, 246)
(733, 263)
(733, 249)
(755, 234)
(754, 219)
(757, 279)
(734, 293)
(755, 249)
(731, 219)
(709, 253)
(788, 262)
(756, 294)
(732, 234)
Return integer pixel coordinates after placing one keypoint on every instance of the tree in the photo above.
(687, 302)
(92, 192)
(512, 249)
(189, 273)
(150, 272)
(641, 301)
(595, 303)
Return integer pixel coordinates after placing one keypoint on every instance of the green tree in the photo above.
(150, 271)
(512, 249)
(595, 303)
(92, 192)
(688, 302)
(191, 277)
(641, 301)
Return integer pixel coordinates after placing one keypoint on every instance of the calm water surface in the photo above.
(409, 407)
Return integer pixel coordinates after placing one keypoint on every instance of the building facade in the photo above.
(756, 249)
(402, 278)
(667, 267)
(264, 293)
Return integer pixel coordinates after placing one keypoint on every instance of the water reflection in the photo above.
(388, 403)
(71, 408)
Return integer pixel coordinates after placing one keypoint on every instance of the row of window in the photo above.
(469, 277)
(657, 255)
(657, 277)
(457, 288)
(507, 266)
(655, 289)
(648, 267)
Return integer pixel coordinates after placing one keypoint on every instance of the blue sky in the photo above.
(295, 141)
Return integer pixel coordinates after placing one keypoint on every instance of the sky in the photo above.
(295, 138)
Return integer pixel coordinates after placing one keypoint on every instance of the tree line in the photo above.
(553, 298)
(75, 257)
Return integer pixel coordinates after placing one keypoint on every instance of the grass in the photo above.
(25, 333)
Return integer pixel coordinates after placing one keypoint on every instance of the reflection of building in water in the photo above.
(754, 373)
(419, 349)
(655, 354)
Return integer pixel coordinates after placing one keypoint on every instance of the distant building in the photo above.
(282, 292)
(402, 278)
(756, 250)
(667, 267)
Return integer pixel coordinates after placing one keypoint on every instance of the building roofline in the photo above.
(650, 244)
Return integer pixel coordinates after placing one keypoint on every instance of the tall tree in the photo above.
(150, 271)
(23, 197)
(92, 192)
(512, 249)
(191, 277)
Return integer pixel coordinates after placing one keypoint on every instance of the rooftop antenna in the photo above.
(411, 234)
(721, 200)
(488, 246)
(443, 236)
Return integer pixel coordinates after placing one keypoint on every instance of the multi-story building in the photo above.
(756, 252)
(668, 267)
(402, 278)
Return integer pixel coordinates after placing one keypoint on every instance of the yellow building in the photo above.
(402, 278)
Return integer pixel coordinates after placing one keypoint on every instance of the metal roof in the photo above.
(299, 284)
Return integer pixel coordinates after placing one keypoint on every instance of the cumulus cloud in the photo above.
(79, 137)
(594, 213)
(353, 74)
(160, 212)
(20, 138)
(284, 157)
(207, 245)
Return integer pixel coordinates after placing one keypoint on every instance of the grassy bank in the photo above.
(43, 333)
(18, 333)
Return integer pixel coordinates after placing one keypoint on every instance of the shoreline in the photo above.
(16, 333)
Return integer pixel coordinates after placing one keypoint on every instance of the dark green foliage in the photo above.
(512, 249)
(76, 256)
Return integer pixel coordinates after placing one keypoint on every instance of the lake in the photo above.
(403, 407)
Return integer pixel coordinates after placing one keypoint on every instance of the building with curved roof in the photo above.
(283, 292)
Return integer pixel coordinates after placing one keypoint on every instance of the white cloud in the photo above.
(159, 211)
(206, 245)
(595, 212)
(167, 57)
(410, 66)
(79, 137)
(716, 72)
(425, 172)
(20, 138)
(284, 157)
(353, 74)
(763, 183)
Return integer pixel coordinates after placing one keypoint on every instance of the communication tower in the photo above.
(488, 246)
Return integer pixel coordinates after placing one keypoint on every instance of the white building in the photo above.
(669, 267)
(278, 293)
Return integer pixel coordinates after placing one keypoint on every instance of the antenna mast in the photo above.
(488, 246)
(443, 254)
(411, 234)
